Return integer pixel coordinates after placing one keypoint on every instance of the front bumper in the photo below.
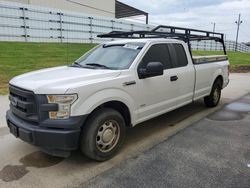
(52, 140)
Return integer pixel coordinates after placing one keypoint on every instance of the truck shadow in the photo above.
(141, 132)
(156, 125)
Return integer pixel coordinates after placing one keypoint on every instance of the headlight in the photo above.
(64, 105)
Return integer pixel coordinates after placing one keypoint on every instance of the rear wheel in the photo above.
(214, 98)
(103, 134)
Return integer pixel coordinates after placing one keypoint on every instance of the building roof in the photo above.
(123, 11)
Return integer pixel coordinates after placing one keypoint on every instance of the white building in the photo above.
(94, 7)
(108, 8)
(64, 20)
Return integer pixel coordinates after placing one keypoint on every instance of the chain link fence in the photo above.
(29, 23)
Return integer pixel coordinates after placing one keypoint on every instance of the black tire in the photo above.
(214, 98)
(104, 126)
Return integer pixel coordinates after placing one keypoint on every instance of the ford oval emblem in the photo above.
(14, 101)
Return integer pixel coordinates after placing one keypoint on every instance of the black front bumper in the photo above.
(55, 141)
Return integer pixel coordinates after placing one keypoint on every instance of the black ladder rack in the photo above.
(163, 31)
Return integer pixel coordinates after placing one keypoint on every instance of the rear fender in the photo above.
(217, 73)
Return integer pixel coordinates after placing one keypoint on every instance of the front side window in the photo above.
(157, 53)
(111, 56)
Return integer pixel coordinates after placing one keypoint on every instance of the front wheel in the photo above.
(214, 98)
(103, 134)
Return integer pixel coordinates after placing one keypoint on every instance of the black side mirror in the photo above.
(152, 69)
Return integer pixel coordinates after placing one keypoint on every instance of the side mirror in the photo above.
(152, 69)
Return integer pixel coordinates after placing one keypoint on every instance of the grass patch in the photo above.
(235, 58)
(17, 58)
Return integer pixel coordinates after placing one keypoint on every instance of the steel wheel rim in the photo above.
(216, 95)
(107, 136)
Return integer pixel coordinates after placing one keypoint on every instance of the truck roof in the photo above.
(143, 40)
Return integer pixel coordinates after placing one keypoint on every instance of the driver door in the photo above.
(156, 94)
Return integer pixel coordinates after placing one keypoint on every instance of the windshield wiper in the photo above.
(76, 64)
(98, 65)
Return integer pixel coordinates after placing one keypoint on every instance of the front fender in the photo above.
(86, 106)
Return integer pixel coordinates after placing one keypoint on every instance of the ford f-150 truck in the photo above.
(119, 84)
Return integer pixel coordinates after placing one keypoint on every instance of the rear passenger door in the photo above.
(184, 74)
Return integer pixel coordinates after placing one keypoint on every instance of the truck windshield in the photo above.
(111, 56)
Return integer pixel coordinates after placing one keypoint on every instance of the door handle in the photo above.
(129, 83)
(173, 78)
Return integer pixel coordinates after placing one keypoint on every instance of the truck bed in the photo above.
(209, 59)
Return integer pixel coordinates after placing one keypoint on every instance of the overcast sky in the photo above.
(199, 14)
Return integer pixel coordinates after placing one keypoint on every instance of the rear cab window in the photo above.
(178, 55)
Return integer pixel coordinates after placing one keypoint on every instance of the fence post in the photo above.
(91, 29)
(24, 23)
(61, 35)
(226, 45)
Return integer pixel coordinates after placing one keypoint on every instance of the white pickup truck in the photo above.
(119, 84)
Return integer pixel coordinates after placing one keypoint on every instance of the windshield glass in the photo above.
(111, 56)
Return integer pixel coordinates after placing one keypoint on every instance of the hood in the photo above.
(58, 80)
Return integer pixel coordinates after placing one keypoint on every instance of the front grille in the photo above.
(23, 104)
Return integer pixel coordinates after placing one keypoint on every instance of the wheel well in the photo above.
(219, 78)
(121, 108)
